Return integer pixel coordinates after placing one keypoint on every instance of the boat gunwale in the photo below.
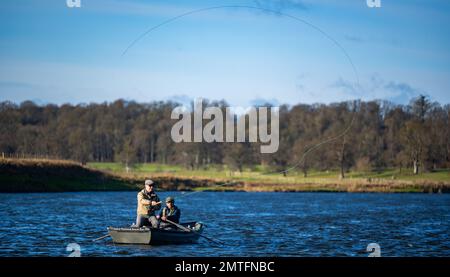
(151, 229)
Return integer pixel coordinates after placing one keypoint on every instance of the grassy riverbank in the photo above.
(257, 179)
(40, 175)
(26, 175)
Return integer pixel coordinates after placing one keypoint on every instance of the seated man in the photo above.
(170, 212)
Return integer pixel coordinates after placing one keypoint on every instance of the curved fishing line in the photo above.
(245, 7)
(336, 43)
(315, 146)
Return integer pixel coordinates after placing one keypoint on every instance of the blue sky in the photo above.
(280, 52)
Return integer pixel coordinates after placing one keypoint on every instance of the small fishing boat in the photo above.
(146, 235)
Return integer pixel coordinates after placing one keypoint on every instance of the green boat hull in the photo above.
(154, 236)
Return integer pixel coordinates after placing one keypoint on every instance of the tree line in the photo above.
(366, 136)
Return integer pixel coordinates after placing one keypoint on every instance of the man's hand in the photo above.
(163, 218)
(153, 203)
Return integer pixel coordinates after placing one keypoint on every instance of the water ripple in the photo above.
(250, 224)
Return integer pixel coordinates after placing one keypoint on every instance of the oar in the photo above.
(102, 237)
(189, 230)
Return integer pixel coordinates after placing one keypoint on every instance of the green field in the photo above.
(33, 175)
(259, 174)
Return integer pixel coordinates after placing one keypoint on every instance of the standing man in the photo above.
(147, 203)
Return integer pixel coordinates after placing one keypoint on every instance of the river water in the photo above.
(250, 224)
